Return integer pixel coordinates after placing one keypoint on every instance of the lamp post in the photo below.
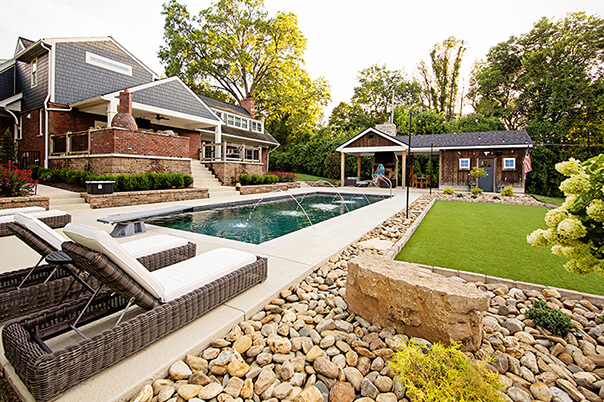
(409, 157)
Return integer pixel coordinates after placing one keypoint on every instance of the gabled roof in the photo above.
(397, 143)
(22, 44)
(236, 132)
(508, 139)
(227, 107)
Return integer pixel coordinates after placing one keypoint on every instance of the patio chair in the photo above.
(53, 218)
(174, 296)
(33, 289)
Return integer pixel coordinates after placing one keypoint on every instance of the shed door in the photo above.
(487, 183)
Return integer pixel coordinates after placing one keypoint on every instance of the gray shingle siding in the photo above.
(173, 96)
(32, 97)
(76, 80)
(7, 83)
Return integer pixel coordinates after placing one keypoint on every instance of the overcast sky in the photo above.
(344, 36)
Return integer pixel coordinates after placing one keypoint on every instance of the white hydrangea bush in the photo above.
(575, 230)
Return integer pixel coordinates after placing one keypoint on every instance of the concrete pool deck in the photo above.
(290, 259)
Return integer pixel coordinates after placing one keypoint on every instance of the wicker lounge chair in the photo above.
(47, 373)
(30, 289)
(53, 218)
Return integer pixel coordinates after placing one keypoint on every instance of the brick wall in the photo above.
(228, 172)
(115, 141)
(117, 164)
(32, 140)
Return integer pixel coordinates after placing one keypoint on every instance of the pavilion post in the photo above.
(342, 165)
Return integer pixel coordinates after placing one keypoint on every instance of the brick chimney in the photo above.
(249, 104)
(387, 128)
(124, 118)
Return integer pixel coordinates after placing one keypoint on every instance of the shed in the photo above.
(500, 153)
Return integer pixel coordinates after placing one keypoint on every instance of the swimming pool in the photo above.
(259, 221)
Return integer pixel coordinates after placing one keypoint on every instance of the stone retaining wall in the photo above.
(143, 197)
(20, 202)
(116, 164)
(267, 188)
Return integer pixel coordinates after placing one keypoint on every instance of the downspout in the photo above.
(46, 108)
(268, 156)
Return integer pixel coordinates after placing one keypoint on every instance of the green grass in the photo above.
(549, 200)
(309, 177)
(491, 239)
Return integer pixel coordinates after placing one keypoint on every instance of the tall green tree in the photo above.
(7, 153)
(378, 88)
(549, 80)
(236, 46)
(440, 78)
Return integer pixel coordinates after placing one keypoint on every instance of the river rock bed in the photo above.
(305, 346)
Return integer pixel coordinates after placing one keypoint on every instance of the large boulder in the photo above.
(415, 301)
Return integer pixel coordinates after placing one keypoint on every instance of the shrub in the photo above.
(459, 195)
(476, 191)
(7, 153)
(507, 191)
(257, 179)
(245, 179)
(187, 180)
(15, 182)
(554, 321)
(448, 191)
(575, 228)
(270, 178)
(284, 176)
(443, 374)
(496, 197)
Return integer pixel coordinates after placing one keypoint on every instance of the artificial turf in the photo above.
(491, 239)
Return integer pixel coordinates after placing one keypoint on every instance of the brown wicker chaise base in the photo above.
(36, 295)
(46, 375)
(52, 221)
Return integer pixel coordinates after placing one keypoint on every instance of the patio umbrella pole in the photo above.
(407, 181)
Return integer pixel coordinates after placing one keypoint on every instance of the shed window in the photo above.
(509, 163)
(464, 163)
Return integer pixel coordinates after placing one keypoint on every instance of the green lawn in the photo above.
(549, 200)
(491, 239)
(309, 177)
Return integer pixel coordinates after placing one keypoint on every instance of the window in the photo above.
(464, 163)
(244, 123)
(509, 163)
(108, 64)
(230, 120)
(41, 132)
(34, 72)
(19, 130)
(256, 126)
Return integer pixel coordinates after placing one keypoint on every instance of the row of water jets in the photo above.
(298, 202)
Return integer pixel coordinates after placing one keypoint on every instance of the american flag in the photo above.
(527, 163)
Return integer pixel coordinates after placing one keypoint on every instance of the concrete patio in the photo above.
(290, 258)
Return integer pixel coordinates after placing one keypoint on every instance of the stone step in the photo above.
(67, 201)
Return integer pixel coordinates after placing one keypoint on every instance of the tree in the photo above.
(346, 118)
(235, 45)
(7, 153)
(474, 122)
(440, 79)
(379, 87)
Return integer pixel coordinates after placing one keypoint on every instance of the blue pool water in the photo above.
(267, 220)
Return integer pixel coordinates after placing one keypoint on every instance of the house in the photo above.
(59, 97)
(500, 153)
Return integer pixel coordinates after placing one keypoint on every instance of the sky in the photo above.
(343, 36)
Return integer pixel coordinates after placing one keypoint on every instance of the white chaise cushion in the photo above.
(188, 275)
(102, 242)
(23, 210)
(41, 229)
(153, 244)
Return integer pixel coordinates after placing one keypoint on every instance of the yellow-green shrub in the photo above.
(448, 191)
(507, 191)
(443, 374)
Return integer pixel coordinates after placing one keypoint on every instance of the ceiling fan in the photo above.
(159, 117)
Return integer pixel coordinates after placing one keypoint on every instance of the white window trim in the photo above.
(108, 64)
(463, 160)
(19, 129)
(34, 74)
(40, 123)
(513, 167)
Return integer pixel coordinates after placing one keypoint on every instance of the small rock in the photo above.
(383, 383)
(341, 392)
(387, 397)
(189, 391)
(354, 377)
(243, 344)
(210, 391)
(368, 389)
(547, 292)
(324, 366)
(265, 380)
(314, 353)
(234, 386)
(541, 391)
(247, 390)
(144, 395)
(282, 390)
(180, 371)
(518, 394)
(310, 394)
